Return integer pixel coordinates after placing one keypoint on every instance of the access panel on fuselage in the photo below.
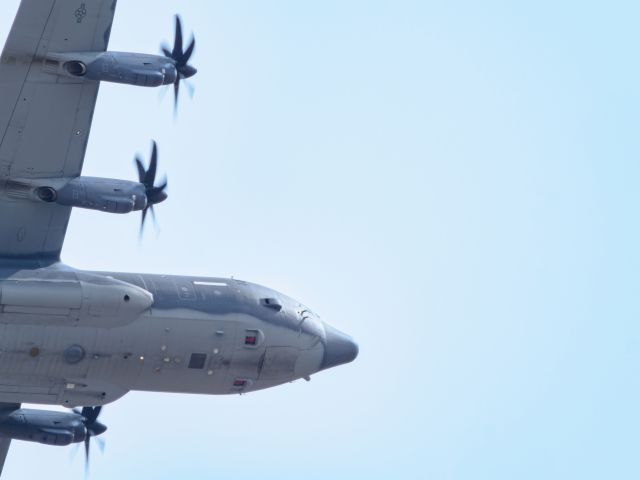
(188, 348)
(33, 361)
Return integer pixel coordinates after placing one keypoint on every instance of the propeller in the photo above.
(180, 59)
(155, 194)
(94, 428)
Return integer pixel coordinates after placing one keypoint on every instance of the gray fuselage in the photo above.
(72, 338)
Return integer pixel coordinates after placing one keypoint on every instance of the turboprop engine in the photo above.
(41, 426)
(137, 69)
(103, 194)
(51, 428)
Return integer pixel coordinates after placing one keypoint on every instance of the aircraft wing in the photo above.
(44, 119)
(5, 443)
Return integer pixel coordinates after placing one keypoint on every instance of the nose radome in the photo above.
(339, 348)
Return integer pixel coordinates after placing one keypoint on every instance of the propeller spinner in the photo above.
(180, 58)
(147, 177)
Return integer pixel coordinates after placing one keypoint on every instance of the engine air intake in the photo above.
(75, 68)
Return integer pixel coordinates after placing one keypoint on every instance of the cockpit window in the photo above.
(272, 303)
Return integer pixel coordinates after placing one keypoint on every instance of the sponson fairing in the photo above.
(70, 298)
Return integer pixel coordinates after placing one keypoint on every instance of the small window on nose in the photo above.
(251, 338)
(272, 303)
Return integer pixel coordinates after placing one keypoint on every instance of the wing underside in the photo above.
(45, 119)
(5, 443)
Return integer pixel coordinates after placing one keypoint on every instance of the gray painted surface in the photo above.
(146, 332)
(45, 120)
(5, 443)
(141, 332)
(75, 338)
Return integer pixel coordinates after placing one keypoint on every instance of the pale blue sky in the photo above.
(453, 183)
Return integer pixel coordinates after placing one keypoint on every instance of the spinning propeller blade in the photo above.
(94, 428)
(180, 58)
(147, 177)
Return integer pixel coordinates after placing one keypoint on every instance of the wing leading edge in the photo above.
(45, 119)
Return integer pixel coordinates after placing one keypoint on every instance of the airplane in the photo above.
(83, 339)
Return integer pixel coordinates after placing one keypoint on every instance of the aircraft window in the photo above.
(197, 360)
(272, 303)
(185, 290)
(210, 284)
(251, 337)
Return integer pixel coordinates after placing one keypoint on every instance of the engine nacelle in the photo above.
(118, 67)
(42, 426)
(103, 194)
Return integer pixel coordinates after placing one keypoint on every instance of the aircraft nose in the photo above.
(339, 348)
